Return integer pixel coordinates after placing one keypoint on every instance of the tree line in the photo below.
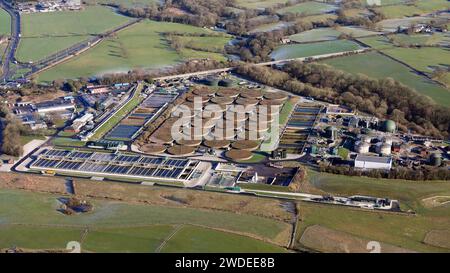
(194, 12)
(422, 174)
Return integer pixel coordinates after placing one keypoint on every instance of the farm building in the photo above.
(373, 162)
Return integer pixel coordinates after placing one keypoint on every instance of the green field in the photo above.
(255, 4)
(201, 240)
(47, 33)
(315, 35)
(126, 3)
(420, 39)
(5, 23)
(403, 231)
(424, 59)
(127, 239)
(418, 8)
(25, 139)
(378, 66)
(305, 50)
(356, 31)
(114, 226)
(207, 43)
(38, 237)
(385, 2)
(143, 45)
(328, 34)
(308, 8)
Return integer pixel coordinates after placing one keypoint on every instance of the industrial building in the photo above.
(78, 123)
(58, 105)
(373, 162)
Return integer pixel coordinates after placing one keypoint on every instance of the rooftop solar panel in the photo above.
(103, 156)
(80, 155)
(123, 131)
(151, 160)
(128, 158)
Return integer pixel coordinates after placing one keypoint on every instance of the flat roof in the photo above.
(375, 159)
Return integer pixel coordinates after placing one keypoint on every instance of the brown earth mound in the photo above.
(228, 93)
(217, 144)
(191, 143)
(228, 134)
(248, 145)
(250, 135)
(201, 99)
(247, 102)
(203, 92)
(238, 155)
(252, 94)
(277, 96)
(222, 100)
(181, 150)
(153, 149)
(162, 136)
(258, 126)
(236, 116)
(274, 103)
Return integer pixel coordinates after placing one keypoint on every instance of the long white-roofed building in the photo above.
(373, 162)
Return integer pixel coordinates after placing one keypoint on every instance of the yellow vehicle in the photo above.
(48, 172)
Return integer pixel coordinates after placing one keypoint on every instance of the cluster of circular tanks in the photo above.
(382, 147)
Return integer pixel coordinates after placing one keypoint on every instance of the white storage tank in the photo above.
(362, 147)
(366, 138)
(387, 140)
(384, 148)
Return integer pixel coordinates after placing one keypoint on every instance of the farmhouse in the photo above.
(373, 162)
